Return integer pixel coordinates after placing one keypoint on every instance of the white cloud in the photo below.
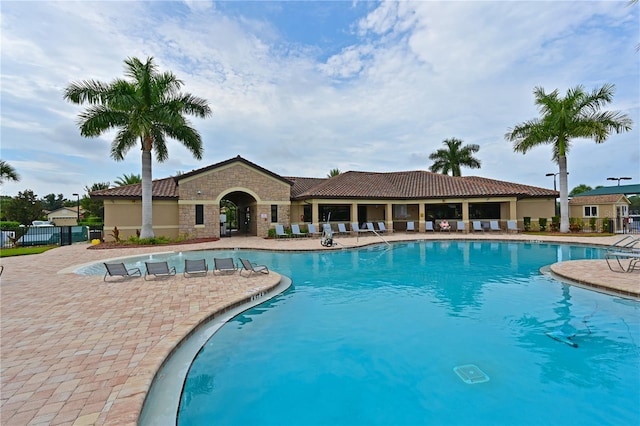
(417, 73)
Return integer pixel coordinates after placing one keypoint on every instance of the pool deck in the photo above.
(77, 351)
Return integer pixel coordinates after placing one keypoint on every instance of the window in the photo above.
(274, 213)
(307, 213)
(590, 211)
(199, 214)
(337, 212)
(443, 211)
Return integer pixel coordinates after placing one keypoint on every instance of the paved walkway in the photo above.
(77, 351)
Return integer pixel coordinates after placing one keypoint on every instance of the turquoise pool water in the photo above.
(372, 337)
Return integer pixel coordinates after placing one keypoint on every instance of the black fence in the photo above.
(44, 236)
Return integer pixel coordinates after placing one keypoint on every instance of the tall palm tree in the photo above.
(7, 172)
(453, 157)
(126, 179)
(146, 108)
(577, 115)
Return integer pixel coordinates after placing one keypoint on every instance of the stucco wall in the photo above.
(536, 208)
(127, 216)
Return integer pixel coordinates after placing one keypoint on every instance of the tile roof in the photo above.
(597, 199)
(417, 184)
(162, 188)
(303, 184)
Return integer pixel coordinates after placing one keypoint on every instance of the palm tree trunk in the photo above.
(564, 195)
(147, 200)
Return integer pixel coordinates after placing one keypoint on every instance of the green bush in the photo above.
(592, 223)
(555, 223)
(9, 226)
(605, 224)
(527, 223)
(543, 223)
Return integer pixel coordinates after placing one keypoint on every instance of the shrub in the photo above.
(543, 223)
(605, 224)
(555, 223)
(527, 223)
(592, 224)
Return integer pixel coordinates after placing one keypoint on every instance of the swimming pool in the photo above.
(375, 336)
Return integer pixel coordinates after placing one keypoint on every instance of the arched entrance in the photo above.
(240, 209)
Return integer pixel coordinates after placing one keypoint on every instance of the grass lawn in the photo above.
(21, 251)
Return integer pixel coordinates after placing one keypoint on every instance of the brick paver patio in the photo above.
(77, 351)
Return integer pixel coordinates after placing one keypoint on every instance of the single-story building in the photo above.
(249, 199)
(615, 207)
(65, 216)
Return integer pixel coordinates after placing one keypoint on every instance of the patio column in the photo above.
(421, 218)
(465, 211)
(388, 216)
(315, 212)
(354, 212)
(513, 213)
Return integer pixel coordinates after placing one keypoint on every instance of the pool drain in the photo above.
(471, 374)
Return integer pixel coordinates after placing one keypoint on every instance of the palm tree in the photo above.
(333, 172)
(148, 108)
(7, 172)
(126, 179)
(577, 115)
(453, 157)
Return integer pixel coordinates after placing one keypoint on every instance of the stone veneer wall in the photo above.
(210, 187)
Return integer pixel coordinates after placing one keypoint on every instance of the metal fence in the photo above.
(45, 236)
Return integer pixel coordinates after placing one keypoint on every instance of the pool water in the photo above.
(374, 337)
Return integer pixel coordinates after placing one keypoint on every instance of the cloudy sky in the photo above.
(303, 87)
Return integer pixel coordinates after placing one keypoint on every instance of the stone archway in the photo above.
(245, 218)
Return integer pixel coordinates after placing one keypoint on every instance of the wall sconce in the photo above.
(199, 192)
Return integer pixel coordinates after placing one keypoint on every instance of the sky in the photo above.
(301, 88)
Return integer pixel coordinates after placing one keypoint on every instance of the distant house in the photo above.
(65, 216)
(191, 204)
(610, 202)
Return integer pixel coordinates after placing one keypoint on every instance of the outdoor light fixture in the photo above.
(78, 207)
(554, 188)
(619, 179)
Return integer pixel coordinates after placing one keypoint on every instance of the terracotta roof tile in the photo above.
(417, 185)
(596, 199)
(303, 184)
(162, 188)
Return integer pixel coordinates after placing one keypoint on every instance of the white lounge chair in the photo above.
(428, 226)
(461, 226)
(477, 226)
(119, 270)
(494, 226)
(253, 268)
(342, 229)
(159, 269)
(280, 232)
(356, 228)
(370, 227)
(197, 266)
(295, 231)
(411, 227)
(382, 227)
(224, 264)
(621, 257)
(312, 230)
(512, 226)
